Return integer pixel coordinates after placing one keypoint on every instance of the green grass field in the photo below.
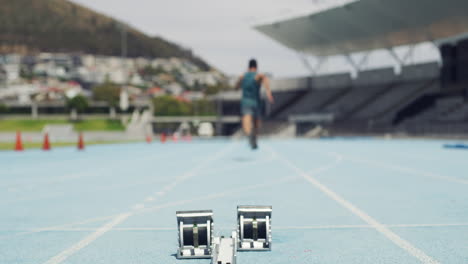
(30, 145)
(38, 125)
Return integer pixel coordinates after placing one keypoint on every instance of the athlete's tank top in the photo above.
(250, 89)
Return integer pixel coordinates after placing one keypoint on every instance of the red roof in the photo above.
(154, 90)
(53, 89)
(181, 99)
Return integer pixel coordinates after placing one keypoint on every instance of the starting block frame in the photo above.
(225, 250)
(195, 230)
(254, 228)
(196, 240)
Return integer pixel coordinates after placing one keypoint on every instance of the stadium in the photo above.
(425, 99)
(365, 166)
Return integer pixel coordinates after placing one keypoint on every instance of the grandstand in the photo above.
(413, 98)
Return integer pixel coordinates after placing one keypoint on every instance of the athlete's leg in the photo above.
(255, 131)
(258, 124)
(247, 124)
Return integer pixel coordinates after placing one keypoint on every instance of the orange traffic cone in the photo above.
(81, 144)
(163, 138)
(149, 139)
(46, 145)
(19, 142)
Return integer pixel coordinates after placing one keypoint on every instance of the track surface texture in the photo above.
(350, 201)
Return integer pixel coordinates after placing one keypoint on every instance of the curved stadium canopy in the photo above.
(371, 24)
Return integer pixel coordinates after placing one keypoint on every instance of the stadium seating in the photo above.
(459, 114)
(376, 95)
(450, 109)
(284, 99)
(446, 110)
(389, 103)
(375, 77)
(375, 101)
(290, 84)
(311, 102)
(331, 81)
(353, 99)
(323, 89)
(420, 72)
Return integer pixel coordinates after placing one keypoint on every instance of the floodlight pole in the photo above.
(219, 115)
(124, 48)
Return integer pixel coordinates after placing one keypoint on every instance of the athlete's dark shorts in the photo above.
(250, 110)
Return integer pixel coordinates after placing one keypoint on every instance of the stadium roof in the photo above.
(371, 24)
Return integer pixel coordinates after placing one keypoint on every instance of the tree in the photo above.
(203, 107)
(214, 89)
(79, 103)
(170, 106)
(26, 73)
(108, 92)
(151, 71)
(3, 108)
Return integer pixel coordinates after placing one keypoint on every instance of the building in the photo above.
(417, 98)
(3, 77)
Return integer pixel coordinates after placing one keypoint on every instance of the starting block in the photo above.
(195, 234)
(196, 240)
(225, 250)
(254, 228)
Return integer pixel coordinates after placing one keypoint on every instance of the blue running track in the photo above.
(361, 201)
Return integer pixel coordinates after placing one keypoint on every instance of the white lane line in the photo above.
(239, 166)
(88, 240)
(317, 227)
(91, 220)
(58, 227)
(69, 226)
(122, 217)
(27, 183)
(166, 205)
(338, 159)
(84, 229)
(225, 193)
(407, 170)
(138, 206)
(368, 226)
(429, 225)
(397, 240)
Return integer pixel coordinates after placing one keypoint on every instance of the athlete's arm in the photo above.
(266, 83)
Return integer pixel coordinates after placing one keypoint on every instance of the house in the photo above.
(175, 89)
(193, 95)
(12, 72)
(136, 80)
(3, 77)
(155, 92)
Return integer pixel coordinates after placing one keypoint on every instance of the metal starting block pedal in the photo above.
(195, 234)
(254, 228)
(225, 250)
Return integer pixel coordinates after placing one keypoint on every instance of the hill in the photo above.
(29, 26)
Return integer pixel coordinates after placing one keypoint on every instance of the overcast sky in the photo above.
(220, 31)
